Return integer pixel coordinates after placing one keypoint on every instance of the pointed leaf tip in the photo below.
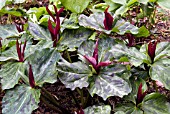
(31, 77)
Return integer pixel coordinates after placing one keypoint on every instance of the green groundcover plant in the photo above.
(107, 59)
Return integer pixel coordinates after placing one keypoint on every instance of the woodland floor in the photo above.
(64, 95)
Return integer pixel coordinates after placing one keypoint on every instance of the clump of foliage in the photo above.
(109, 60)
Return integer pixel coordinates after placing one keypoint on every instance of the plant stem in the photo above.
(155, 86)
(50, 97)
(68, 56)
(44, 100)
(81, 95)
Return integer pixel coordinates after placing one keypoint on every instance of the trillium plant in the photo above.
(83, 57)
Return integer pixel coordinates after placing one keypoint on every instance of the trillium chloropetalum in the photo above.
(54, 31)
(140, 95)
(108, 20)
(131, 39)
(151, 49)
(19, 27)
(31, 77)
(20, 50)
(94, 59)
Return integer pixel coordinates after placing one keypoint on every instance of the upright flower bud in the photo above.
(151, 49)
(31, 77)
(108, 21)
(140, 95)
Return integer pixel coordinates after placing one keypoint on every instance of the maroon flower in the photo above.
(19, 27)
(151, 49)
(140, 95)
(80, 111)
(20, 50)
(94, 59)
(131, 39)
(108, 21)
(31, 77)
(54, 31)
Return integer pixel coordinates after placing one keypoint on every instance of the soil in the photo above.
(63, 95)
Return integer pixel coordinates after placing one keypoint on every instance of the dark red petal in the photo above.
(55, 9)
(31, 77)
(80, 111)
(95, 53)
(91, 60)
(50, 13)
(61, 10)
(108, 21)
(140, 95)
(131, 39)
(23, 50)
(106, 63)
(50, 28)
(151, 49)
(18, 50)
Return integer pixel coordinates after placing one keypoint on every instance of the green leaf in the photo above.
(94, 21)
(113, 6)
(160, 71)
(143, 32)
(103, 109)
(143, 1)
(162, 50)
(120, 11)
(10, 74)
(10, 54)
(127, 108)
(20, 100)
(77, 72)
(76, 6)
(43, 63)
(155, 103)
(126, 27)
(119, 112)
(38, 32)
(71, 23)
(135, 56)
(7, 31)
(74, 38)
(2, 4)
(107, 83)
(122, 2)
(19, 1)
(164, 4)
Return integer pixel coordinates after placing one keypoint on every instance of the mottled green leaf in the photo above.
(38, 32)
(120, 11)
(20, 100)
(71, 23)
(103, 109)
(128, 108)
(162, 50)
(155, 103)
(77, 72)
(107, 83)
(7, 31)
(10, 54)
(160, 71)
(2, 4)
(43, 63)
(10, 74)
(164, 4)
(94, 21)
(74, 38)
(76, 6)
